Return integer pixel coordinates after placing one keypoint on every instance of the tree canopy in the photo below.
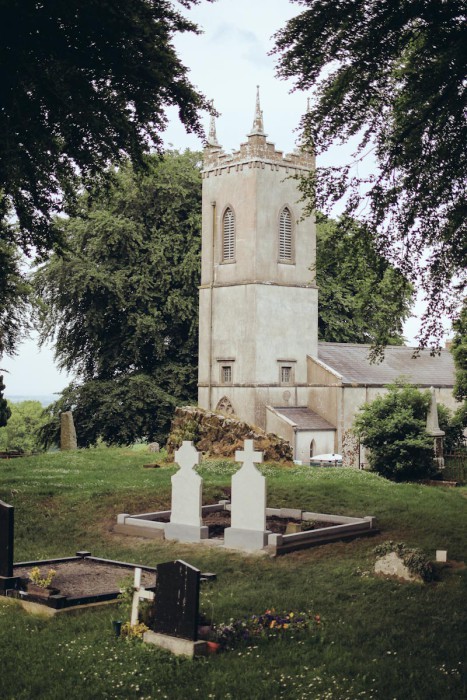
(14, 298)
(362, 298)
(20, 433)
(121, 303)
(459, 352)
(392, 76)
(82, 84)
(5, 411)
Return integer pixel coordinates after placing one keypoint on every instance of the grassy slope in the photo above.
(379, 638)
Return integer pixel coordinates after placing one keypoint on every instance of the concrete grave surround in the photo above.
(186, 524)
(248, 511)
(67, 431)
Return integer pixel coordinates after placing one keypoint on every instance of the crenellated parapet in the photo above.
(256, 152)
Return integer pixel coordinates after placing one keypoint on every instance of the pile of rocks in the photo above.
(219, 435)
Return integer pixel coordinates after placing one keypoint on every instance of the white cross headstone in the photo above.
(248, 510)
(140, 593)
(186, 524)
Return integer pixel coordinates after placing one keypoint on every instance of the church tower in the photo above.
(258, 300)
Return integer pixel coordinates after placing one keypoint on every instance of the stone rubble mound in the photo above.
(218, 435)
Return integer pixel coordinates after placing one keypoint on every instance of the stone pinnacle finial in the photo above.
(258, 128)
(212, 136)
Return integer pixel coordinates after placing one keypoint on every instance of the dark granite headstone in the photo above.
(176, 604)
(7, 514)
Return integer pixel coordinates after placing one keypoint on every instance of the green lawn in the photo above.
(378, 638)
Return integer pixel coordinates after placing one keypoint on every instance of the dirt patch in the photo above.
(218, 521)
(86, 578)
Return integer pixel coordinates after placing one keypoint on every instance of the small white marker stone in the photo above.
(441, 555)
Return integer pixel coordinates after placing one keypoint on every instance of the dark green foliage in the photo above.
(392, 76)
(453, 426)
(20, 433)
(415, 560)
(393, 428)
(14, 295)
(459, 353)
(362, 298)
(83, 84)
(122, 303)
(5, 411)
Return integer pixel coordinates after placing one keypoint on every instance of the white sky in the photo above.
(226, 63)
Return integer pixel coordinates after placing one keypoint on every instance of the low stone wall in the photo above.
(219, 435)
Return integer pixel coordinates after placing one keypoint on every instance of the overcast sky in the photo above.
(227, 61)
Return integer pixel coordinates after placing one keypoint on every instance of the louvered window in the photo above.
(228, 235)
(285, 236)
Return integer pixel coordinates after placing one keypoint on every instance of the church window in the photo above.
(226, 374)
(285, 236)
(286, 374)
(228, 235)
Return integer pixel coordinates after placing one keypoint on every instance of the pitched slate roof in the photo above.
(303, 418)
(352, 363)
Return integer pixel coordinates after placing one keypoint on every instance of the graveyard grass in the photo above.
(378, 638)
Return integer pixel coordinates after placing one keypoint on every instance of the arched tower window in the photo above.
(228, 235)
(285, 235)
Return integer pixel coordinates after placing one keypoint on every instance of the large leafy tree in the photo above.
(14, 298)
(392, 75)
(5, 411)
(20, 433)
(82, 83)
(459, 352)
(362, 298)
(393, 428)
(121, 302)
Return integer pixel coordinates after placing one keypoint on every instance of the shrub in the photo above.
(393, 428)
(19, 434)
(452, 424)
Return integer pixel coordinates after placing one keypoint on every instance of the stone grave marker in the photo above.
(177, 600)
(140, 593)
(7, 514)
(248, 510)
(186, 523)
(67, 431)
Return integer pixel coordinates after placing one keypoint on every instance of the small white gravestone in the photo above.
(441, 555)
(248, 510)
(140, 593)
(186, 524)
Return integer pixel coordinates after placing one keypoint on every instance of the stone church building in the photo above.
(259, 355)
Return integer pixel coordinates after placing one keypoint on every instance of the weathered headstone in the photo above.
(177, 600)
(248, 510)
(154, 447)
(67, 431)
(186, 523)
(7, 514)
